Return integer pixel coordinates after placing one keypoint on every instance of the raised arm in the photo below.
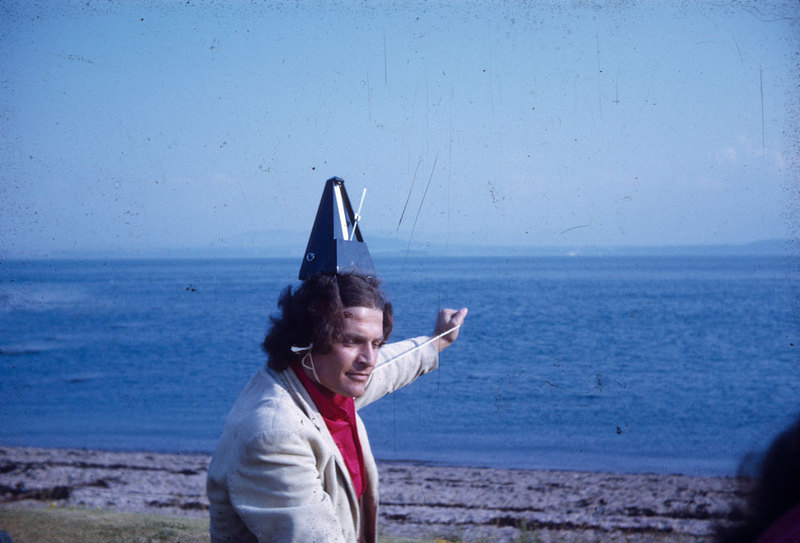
(400, 363)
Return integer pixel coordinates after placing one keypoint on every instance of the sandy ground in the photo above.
(457, 503)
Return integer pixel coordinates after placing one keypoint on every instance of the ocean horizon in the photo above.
(289, 244)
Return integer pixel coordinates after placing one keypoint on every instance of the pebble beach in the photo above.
(449, 503)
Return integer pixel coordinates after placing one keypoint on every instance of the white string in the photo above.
(412, 349)
(309, 366)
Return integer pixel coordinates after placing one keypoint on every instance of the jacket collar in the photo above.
(301, 397)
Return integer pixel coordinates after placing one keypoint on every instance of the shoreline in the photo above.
(417, 499)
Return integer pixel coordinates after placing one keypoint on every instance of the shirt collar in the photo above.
(331, 406)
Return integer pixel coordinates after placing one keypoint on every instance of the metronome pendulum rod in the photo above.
(358, 213)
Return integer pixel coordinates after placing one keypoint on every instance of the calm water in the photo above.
(621, 364)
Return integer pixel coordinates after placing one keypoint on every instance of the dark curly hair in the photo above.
(314, 313)
(773, 491)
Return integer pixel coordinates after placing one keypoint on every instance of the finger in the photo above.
(447, 320)
(459, 316)
(444, 316)
(454, 318)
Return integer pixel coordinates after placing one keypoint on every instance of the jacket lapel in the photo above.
(306, 404)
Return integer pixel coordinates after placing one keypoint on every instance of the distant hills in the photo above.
(276, 244)
(758, 248)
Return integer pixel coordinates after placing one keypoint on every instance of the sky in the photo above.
(130, 127)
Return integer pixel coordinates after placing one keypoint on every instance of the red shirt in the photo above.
(339, 414)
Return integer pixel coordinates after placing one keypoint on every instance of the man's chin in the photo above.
(356, 390)
(357, 393)
(356, 386)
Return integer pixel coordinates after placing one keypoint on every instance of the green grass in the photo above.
(85, 525)
(57, 525)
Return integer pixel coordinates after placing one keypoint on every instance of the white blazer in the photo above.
(278, 476)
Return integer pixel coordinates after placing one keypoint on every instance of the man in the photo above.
(294, 463)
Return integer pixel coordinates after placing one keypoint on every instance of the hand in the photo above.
(446, 320)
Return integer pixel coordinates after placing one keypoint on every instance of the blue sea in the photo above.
(635, 364)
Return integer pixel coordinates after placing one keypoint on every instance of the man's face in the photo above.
(345, 370)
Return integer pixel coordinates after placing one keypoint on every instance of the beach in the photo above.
(421, 501)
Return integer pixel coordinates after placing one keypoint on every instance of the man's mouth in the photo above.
(362, 377)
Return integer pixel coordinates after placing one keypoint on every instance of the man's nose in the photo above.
(369, 354)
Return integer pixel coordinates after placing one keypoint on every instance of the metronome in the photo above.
(336, 245)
